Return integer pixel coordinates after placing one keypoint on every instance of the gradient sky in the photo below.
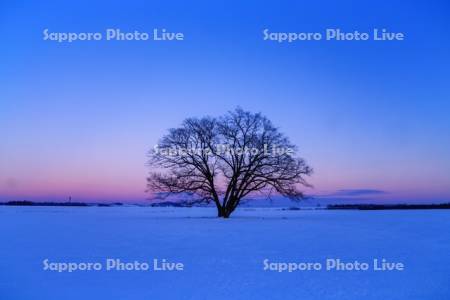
(372, 118)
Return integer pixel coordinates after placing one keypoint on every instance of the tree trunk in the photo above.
(223, 212)
(227, 210)
(219, 212)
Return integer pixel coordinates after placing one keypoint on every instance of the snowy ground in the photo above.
(223, 259)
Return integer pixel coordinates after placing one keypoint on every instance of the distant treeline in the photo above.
(181, 204)
(171, 204)
(389, 206)
(31, 203)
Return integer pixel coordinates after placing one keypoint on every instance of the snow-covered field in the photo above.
(223, 259)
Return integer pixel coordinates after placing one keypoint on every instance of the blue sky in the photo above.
(77, 118)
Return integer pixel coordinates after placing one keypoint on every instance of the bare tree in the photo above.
(225, 159)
